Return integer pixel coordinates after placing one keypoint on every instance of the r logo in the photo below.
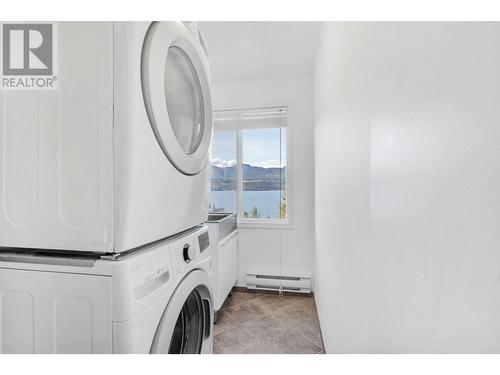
(27, 49)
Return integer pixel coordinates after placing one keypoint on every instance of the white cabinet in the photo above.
(224, 251)
(227, 267)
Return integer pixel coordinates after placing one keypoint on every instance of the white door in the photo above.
(186, 324)
(176, 88)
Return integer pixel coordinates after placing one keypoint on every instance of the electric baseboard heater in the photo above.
(295, 284)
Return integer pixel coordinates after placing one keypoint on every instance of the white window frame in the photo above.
(251, 222)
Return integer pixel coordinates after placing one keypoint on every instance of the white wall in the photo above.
(407, 150)
(266, 250)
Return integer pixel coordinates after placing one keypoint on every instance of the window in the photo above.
(249, 164)
(223, 186)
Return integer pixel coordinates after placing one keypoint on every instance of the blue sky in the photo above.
(224, 147)
(261, 147)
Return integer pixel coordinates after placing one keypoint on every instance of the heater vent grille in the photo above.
(285, 283)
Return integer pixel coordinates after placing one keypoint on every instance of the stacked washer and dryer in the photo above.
(104, 191)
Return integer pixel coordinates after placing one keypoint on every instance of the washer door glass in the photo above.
(187, 337)
(184, 99)
(186, 323)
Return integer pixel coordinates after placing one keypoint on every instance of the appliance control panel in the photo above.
(186, 250)
(203, 241)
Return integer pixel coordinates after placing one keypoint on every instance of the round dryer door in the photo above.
(186, 324)
(176, 89)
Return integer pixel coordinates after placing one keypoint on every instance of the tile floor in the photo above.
(260, 323)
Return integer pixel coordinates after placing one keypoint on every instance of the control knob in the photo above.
(188, 253)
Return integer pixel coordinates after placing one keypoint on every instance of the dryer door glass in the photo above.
(176, 87)
(187, 337)
(183, 99)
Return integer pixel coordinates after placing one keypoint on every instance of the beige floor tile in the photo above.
(308, 305)
(272, 302)
(293, 343)
(234, 300)
(267, 327)
(224, 322)
(292, 315)
(295, 298)
(265, 323)
(251, 295)
(311, 331)
(246, 311)
(238, 340)
(260, 349)
(215, 350)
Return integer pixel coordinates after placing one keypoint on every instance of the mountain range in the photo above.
(254, 178)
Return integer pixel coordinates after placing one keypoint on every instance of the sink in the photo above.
(216, 217)
(225, 221)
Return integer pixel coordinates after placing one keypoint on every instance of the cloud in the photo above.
(263, 164)
(223, 163)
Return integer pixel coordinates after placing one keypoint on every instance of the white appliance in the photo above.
(157, 300)
(115, 157)
(224, 249)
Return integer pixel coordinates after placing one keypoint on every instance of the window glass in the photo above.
(263, 172)
(249, 171)
(223, 187)
(283, 195)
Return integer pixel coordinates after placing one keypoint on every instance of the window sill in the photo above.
(249, 224)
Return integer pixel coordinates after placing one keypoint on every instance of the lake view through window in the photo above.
(249, 166)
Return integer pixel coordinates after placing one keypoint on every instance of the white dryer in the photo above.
(115, 157)
(156, 300)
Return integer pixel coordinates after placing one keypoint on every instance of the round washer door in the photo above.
(176, 89)
(186, 324)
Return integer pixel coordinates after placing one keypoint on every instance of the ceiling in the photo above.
(260, 50)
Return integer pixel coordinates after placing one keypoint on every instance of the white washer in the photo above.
(156, 300)
(116, 156)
